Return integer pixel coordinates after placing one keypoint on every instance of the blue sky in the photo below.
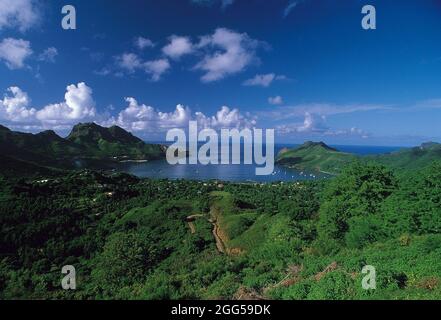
(305, 68)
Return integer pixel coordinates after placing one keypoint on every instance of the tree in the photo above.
(127, 257)
(359, 191)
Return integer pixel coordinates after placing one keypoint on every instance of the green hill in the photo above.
(92, 145)
(113, 142)
(411, 158)
(147, 239)
(315, 156)
(45, 148)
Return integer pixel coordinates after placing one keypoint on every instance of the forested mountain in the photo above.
(411, 158)
(113, 142)
(317, 156)
(88, 143)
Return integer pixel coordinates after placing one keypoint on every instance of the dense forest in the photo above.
(131, 238)
(88, 145)
(317, 156)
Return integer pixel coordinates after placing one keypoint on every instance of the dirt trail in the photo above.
(190, 221)
(192, 227)
(217, 233)
(220, 243)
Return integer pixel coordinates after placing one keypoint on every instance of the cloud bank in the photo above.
(79, 106)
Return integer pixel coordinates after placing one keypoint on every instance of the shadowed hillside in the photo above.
(88, 144)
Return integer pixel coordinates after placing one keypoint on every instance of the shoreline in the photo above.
(133, 161)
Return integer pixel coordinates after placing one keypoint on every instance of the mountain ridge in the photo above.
(88, 142)
(318, 156)
(314, 156)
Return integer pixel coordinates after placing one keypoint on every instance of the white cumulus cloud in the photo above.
(146, 119)
(178, 47)
(14, 52)
(140, 117)
(128, 62)
(228, 53)
(20, 14)
(15, 107)
(78, 104)
(156, 68)
(226, 118)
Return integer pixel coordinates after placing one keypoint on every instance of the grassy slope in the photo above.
(319, 157)
(271, 260)
(412, 158)
(315, 157)
(407, 268)
(242, 230)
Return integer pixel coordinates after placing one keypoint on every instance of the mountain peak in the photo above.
(87, 141)
(87, 131)
(91, 133)
(49, 134)
(321, 144)
(86, 125)
(122, 135)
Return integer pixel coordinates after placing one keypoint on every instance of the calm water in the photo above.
(160, 169)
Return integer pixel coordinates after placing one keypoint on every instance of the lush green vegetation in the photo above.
(411, 158)
(133, 238)
(88, 145)
(113, 142)
(317, 156)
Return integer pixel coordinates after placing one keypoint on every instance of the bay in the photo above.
(160, 169)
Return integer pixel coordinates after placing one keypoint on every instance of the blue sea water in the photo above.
(160, 169)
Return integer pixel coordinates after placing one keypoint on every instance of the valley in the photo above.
(132, 238)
